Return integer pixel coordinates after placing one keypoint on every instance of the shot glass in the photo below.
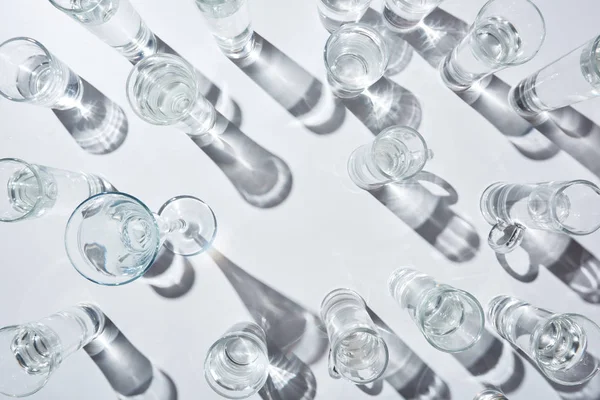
(29, 73)
(571, 79)
(405, 15)
(356, 57)
(490, 394)
(32, 190)
(357, 351)
(396, 154)
(237, 365)
(113, 238)
(571, 207)
(451, 320)
(33, 351)
(563, 346)
(505, 33)
(335, 13)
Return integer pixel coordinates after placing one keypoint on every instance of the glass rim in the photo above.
(38, 180)
(68, 229)
(555, 195)
(371, 332)
(483, 198)
(385, 133)
(74, 11)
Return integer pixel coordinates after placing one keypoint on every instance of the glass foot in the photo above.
(200, 225)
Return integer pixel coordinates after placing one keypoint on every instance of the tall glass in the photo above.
(113, 238)
(334, 13)
(357, 353)
(115, 22)
(229, 23)
(490, 394)
(237, 365)
(571, 79)
(32, 190)
(563, 346)
(405, 15)
(505, 33)
(31, 352)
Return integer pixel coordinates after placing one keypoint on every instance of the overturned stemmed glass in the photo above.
(113, 238)
(571, 207)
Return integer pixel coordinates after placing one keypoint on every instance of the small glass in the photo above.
(571, 79)
(396, 154)
(229, 23)
(356, 57)
(563, 346)
(335, 13)
(237, 365)
(29, 73)
(405, 15)
(571, 207)
(357, 353)
(113, 238)
(505, 33)
(490, 394)
(451, 320)
(34, 190)
(32, 352)
(115, 22)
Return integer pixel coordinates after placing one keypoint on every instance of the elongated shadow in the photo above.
(294, 88)
(291, 327)
(431, 216)
(98, 125)
(170, 276)
(587, 391)
(130, 373)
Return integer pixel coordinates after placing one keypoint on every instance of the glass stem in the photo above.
(167, 226)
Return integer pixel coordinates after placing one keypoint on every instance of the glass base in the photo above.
(200, 225)
(396, 23)
(449, 78)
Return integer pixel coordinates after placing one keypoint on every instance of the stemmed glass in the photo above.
(113, 238)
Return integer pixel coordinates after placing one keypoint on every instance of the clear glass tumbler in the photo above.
(32, 190)
(451, 320)
(356, 57)
(29, 73)
(115, 22)
(571, 79)
(490, 394)
(405, 15)
(505, 33)
(396, 154)
(571, 207)
(31, 352)
(563, 346)
(113, 238)
(358, 353)
(237, 365)
(335, 13)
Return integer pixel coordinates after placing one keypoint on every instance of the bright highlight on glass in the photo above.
(506, 33)
(357, 352)
(405, 15)
(334, 13)
(237, 365)
(31, 352)
(356, 57)
(563, 346)
(451, 320)
(113, 238)
(490, 394)
(569, 207)
(396, 154)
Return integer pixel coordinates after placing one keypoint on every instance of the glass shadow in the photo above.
(130, 373)
(587, 391)
(98, 125)
(170, 276)
(431, 215)
(291, 327)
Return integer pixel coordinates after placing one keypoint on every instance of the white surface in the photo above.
(324, 236)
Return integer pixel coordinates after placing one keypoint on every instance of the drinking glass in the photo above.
(563, 346)
(405, 15)
(571, 79)
(29, 73)
(32, 190)
(115, 22)
(237, 365)
(357, 351)
(335, 13)
(451, 320)
(356, 57)
(571, 207)
(33, 351)
(113, 238)
(396, 154)
(505, 33)
(490, 394)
